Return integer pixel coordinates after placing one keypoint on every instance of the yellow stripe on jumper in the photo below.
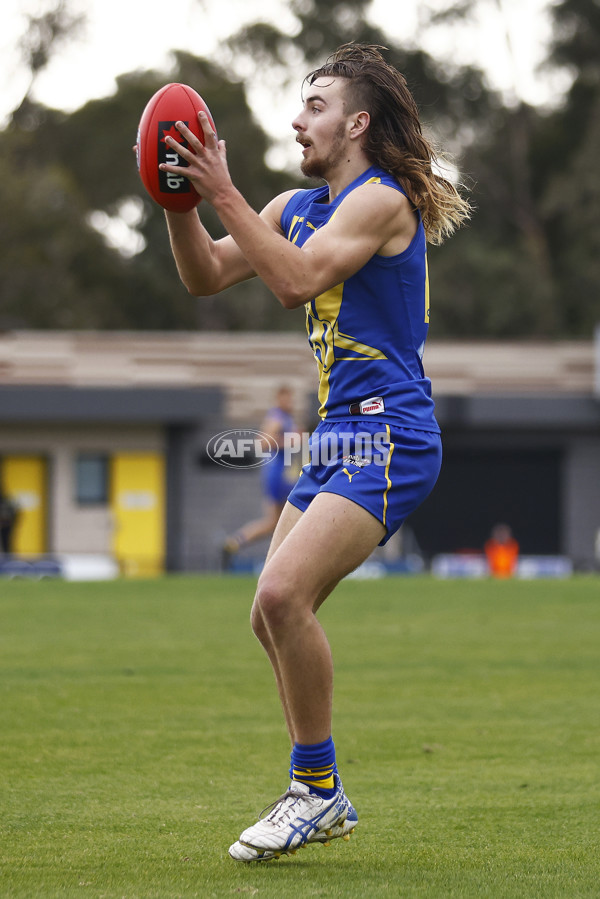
(346, 342)
(320, 329)
(297, 219)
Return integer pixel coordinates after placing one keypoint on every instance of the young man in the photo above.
(277, 477)
(353, 253)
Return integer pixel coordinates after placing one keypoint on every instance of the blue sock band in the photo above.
(314, 764)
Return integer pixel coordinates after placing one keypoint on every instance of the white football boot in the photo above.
(343, 830)
(292, 822)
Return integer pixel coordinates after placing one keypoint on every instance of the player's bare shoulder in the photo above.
(406, 221)
(386, 211)
(274, 209)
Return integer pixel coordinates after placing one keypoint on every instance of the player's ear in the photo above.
(360, 123)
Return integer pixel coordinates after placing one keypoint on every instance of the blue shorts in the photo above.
(388, 470)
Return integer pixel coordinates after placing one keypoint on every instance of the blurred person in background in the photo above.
(502, 551)
(9, 514)
(278, 478)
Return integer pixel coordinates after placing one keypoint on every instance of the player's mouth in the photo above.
(305, 144)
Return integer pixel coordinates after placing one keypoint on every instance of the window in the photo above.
(91, 478)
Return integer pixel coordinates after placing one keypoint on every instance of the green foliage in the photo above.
(496, 277)
(56, 271)
(62, 274)
(322, 25)
(577, 35)
(141, 732)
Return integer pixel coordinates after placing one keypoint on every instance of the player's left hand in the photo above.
(207, 164)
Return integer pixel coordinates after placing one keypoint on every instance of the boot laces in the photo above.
(281, 810)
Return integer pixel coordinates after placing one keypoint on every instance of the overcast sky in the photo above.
(122, 35)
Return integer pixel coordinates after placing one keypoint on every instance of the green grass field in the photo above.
(140, 733)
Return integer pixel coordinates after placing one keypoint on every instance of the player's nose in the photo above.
(298, 123)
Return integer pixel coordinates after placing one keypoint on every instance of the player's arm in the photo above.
(373, 218)
(207, 266)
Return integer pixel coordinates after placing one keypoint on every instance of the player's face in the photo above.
(322, 127)
(285, 400)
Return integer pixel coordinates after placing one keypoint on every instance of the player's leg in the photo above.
(334, 535)
(311, 552)
(276, 489)
(258, 527)
(328, 541)
(289, 518)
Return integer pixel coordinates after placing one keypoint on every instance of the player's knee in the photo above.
(258, 624)
(272, 604)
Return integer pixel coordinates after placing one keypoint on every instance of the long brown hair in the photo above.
(394, 140)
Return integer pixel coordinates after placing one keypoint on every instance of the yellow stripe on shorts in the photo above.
(387, 475)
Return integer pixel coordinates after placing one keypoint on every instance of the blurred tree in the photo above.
(571, 182)
(529, 265)
(88, 167)
(453, 96)
(56, 272)
(43, 38)
(576, 47)
(496, 278)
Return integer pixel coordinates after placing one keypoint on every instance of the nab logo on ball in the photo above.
(169, 181)
(172, 103)
(242, 448)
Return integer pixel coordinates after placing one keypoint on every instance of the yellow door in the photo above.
(24, 479)
(138, 506)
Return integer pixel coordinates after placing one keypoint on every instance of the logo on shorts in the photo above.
(350, 473)
(353, 459)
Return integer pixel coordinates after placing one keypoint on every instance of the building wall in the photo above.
(581, 501)
(564, 431)
(181, 389)
(72, 528)
(206, 502)
(483, 484)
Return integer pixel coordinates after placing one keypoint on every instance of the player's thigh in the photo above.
(328, 541)
(287, 519)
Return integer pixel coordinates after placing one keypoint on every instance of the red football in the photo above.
(172, 103)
